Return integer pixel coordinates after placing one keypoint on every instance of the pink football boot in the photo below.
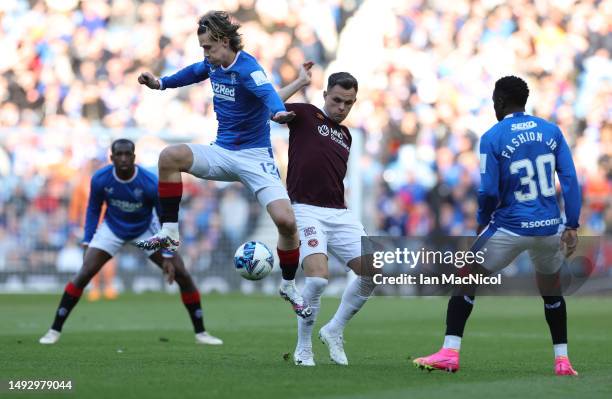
(563, 366)
(445, 359)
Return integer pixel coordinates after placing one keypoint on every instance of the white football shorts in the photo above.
(328, 229)
(107, 241)
(501, 247)
(254, 167)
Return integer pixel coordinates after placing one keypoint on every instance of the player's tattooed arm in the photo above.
(303, 80)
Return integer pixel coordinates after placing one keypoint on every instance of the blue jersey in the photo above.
(129, 203)
(518, 160)
(244, 99)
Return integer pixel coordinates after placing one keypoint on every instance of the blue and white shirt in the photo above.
(244, 99)
(129, 203)
(518, 160)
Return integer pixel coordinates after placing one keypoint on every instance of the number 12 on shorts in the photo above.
(270, 168)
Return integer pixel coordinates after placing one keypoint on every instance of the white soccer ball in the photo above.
(253, 260)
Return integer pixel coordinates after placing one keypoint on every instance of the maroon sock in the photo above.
(170, 194)
(289, 261)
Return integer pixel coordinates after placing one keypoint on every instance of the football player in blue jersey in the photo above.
(518, 211)
(245, 101)
(130, 194)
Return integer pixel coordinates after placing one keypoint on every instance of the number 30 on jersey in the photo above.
(546, 185)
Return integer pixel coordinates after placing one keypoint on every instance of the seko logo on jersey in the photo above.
(523, 126)
(223, 91)
(334, 134)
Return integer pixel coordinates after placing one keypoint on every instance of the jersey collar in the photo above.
(131, 179)
(514, 115)
(233, 63)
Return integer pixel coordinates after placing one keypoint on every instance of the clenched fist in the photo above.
(147, 79)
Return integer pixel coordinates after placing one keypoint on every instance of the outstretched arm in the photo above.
(301, 81)
(194, 73)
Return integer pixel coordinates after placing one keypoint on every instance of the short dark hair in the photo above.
(122, 141)
(344, 79)
(512, 89)
(219, 24)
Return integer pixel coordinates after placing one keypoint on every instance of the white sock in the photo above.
(354, 297)
(313, 288)
(171, 227)
(452, 342)
(560, 350)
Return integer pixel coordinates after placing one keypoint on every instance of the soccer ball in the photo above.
(253, 260)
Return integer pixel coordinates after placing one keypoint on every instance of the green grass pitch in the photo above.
(141, 346)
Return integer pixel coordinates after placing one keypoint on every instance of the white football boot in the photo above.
(303, 357)
(166, 238)
(289, 292)
(335, 344)
(207, 339)
(50, 337)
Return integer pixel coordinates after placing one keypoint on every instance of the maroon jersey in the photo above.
(318, 155)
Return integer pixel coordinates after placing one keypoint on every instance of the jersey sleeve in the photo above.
(155, 197)
(292, 107)
(298, 109)
(94, 208)
(255, 80)
(572, 196)
(194, 73)
(488, 193)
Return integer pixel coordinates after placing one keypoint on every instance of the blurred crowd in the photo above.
(426, 70)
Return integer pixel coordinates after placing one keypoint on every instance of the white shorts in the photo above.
(254, 167)
(107, 241)
(502, 247)
(328, 229)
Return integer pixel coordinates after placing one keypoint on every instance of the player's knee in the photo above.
(177, 156)
(286, 224)
(364, 266)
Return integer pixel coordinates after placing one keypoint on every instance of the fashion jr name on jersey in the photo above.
(223, 91)
(126, 206)
(540, 223)
(526, 137)
(336, 136)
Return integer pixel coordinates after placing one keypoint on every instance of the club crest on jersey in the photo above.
(320, 116)
(323, 130)
(313, 243)
(138, 193)
(108, 190)
(233, 78)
